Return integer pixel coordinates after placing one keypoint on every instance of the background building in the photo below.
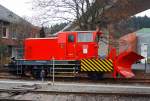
(143, 38)
(13, 30)
(139, 42)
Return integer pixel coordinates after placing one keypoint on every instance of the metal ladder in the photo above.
(19, 69)
(19, 53)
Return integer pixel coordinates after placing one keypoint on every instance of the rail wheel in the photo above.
(95, 76)
(36, 73)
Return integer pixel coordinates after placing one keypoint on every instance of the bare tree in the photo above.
(82, 12)
(42, 32)
(34, 20)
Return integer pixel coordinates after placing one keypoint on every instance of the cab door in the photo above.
(71, 46)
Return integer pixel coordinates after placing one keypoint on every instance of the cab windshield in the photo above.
(85, 37)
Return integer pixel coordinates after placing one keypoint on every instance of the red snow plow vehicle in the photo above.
(71, 53)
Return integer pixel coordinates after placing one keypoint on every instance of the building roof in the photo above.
(9, 16)
(143, 32)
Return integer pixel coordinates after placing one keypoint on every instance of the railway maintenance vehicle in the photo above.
(71, 53)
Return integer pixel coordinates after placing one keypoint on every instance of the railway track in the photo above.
(74, 89)
(3, 99)
(4, 74)
(86, 80)
(23, 91)
(57, 95)
(109, 81)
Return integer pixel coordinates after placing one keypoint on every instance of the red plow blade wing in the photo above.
(124, 62)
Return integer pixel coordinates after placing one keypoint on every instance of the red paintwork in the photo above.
(59, 48)
(123, 62)
(112, 54)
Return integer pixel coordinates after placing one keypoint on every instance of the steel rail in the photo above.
(74, 92)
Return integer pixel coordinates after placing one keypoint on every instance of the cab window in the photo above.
(85, 37)
(71, 38)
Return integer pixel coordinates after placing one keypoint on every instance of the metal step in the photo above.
(63, 69)
(62, 75)
(66, 64)
(65, 72)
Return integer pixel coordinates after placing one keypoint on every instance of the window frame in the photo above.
(6, 32)
(69, 38)
(84, 36)
(14, 35)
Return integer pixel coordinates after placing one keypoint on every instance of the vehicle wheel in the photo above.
(95, 76)
(36, 73)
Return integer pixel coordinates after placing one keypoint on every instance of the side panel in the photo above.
(96, 65)
(87, 50)
(87, 47)
(60, 48)
(43, 49)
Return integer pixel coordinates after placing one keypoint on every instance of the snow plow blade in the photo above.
(124, 61)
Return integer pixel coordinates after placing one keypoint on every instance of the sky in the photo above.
(24, 7)
(20, 7)
(147, 12)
